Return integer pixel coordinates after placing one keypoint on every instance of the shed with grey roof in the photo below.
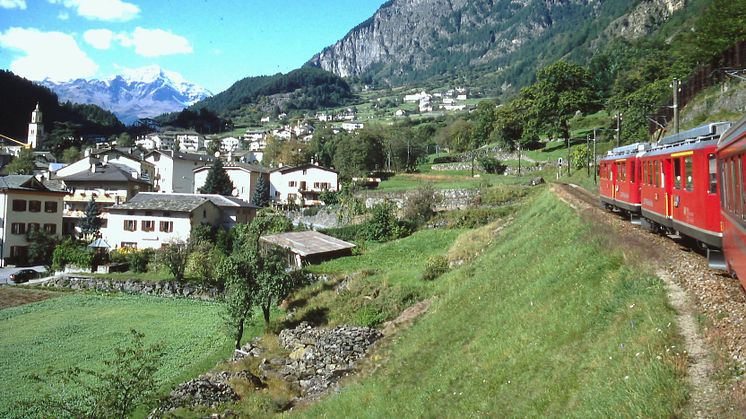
(304, 247)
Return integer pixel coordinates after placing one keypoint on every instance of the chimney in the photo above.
(93, 167)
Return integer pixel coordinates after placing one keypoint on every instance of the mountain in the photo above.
(139, 93)
(415, 40)
(20, 97)
(304, 88)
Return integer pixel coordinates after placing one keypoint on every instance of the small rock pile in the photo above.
(320, 357)
(210, 390)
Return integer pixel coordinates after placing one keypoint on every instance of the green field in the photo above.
(549, 321)
(82, 329)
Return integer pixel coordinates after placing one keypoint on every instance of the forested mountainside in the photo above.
(413, 40)
(305, 88)
(20, 97)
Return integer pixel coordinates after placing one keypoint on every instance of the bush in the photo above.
(446, 159)
(138, 260)
(70, 252)
(383, 225)
(311, 211)
(329, 197)
(492, 165)
(348, 233)
(436, 266)
(202, 261)
(420, 205)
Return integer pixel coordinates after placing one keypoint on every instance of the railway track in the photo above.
(711, 306)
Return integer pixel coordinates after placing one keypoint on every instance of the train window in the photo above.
(658, 174)
(723, 185)
(677, 173)
(688, 166)
(623, 171)
(739, 188)
(732, 185)
(632, 173)
(713, 175)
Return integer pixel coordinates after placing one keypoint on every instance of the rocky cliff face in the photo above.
(436, 37)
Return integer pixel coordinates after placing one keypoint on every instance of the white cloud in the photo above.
(108, 10)
(13, 4)
(53, 55)
(99, 38)
(63, 16)
(155, 42)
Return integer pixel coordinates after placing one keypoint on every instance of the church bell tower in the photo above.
(35, 129)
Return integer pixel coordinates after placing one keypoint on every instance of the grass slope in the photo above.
(550, 321)
(81, 330)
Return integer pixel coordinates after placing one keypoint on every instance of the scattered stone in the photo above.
(536, 181)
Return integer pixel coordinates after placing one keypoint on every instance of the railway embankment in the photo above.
(711, 306)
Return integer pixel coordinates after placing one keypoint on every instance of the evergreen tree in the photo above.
(217, 181)
(91, 222)
(260, 198)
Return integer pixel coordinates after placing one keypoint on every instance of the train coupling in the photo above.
(716, 260)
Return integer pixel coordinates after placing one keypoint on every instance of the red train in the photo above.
(673, 187)
(731, 156)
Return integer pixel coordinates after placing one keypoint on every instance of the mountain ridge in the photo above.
(136, 93)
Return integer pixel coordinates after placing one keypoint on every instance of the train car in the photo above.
(620, 175)
(679, 188)
(731, 161)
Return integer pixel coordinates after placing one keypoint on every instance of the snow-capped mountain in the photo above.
(135, 93)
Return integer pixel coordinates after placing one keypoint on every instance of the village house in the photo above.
(290, 185)
(174, 171)
(304, 247)
(25, 204)
(244, 177)
(157, 220)
(352, 126)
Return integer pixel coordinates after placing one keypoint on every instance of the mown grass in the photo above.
(82, 329)
(549, 321)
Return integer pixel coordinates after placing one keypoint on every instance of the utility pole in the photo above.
(519, 159)
(675, 86)
(587, 154)
(618, 129)
(595, 169)
(568, 155)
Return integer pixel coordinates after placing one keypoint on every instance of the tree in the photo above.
(126, 381)
(484, 121)
(125, 140)
(357, 155)
(260, 197)
(238, 275)
(273, 282)
(63, 136)
(71, 155)
(91, 222)
(561, 90)
(23, 164)
(174, 255)
(217, 181)
(41, 246)
(383, 225)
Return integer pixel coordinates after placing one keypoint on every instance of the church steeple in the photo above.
(36, 128)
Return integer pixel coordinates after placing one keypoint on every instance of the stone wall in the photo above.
(451, 199)
(160, 288)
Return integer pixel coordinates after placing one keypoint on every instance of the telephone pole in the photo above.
(618, 129)
(675, 86)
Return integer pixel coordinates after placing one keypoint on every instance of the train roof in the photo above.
(628, 150)
(707, 131)
(735, 132)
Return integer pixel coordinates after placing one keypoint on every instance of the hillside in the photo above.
(20, 97)
(410, 40)
(305, 88)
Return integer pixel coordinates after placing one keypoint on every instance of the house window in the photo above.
(19, 205)
(50, 206)
(18, 228)
(50, 228)
(18, 251)
(292, 184)
(34, 206)
(130, 225)
(148, 225)
(34, 226)
(128, 245)
(167, 226)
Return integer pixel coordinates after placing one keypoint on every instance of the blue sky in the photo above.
(210, 43)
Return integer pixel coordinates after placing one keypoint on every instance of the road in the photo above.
(5, 273)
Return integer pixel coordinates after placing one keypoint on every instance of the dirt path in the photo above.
(716, 345)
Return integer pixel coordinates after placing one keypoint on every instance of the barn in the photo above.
(306, 247)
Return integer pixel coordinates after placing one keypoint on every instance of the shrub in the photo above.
(329, 197)
(435, 266)
(174, 256)
(202, 261)
(446, 159)
(420, 204)
(311, 211)
(348, 233)
(138, 260)
(382, 225)
(492, 165)
(70, 252)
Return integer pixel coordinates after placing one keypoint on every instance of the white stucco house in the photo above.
(290, 184)
(174, 171)
(25, 203)
(244, 177)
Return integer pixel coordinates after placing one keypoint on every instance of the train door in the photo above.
(667, 180)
